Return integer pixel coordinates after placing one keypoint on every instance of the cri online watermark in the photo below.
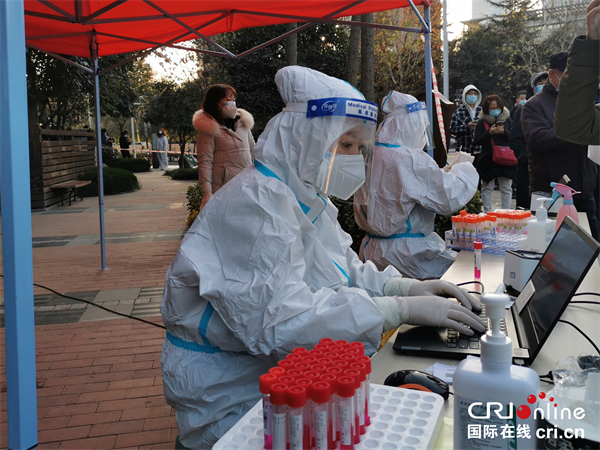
(523, 412)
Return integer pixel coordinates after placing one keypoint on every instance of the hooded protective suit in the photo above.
(264, 268)
(406, 190)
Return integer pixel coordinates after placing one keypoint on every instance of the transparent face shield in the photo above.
(343, 170)
(419, 120)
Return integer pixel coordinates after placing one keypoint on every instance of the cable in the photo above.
(97, 305)
(474, 292)
(586, 293)
(590, 302)
(473, 282)
(582, 333)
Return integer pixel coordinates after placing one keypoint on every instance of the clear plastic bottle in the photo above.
(321, 395)
(346, 392)
(279, 404)
(492, 382)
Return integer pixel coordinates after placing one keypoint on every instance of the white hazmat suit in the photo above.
(266, 267)
(406, 190)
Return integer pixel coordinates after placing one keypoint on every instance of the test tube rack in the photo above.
(495, 244)
(400, 419)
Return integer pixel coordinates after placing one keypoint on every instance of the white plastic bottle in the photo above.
(540, 230)
(490, 386)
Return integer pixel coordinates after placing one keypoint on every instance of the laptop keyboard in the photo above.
(454, 339)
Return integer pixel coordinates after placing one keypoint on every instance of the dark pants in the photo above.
(125, 153)
(588, 206)
(523, 197)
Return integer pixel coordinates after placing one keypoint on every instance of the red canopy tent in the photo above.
(95, 28)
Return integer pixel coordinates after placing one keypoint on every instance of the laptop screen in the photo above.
(554, 281)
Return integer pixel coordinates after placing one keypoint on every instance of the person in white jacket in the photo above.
(266, 267)
(162, 145)
(406, 190)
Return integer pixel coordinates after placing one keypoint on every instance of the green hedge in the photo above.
(182, 174)
(115, 182)
(130, 164)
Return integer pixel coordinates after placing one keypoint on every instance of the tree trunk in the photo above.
(353, 52)
(367, 59)
(291, 46)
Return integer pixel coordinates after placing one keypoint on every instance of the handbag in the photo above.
(503, 156)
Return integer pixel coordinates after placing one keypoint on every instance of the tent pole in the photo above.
(428, 80)
(94, 48)
(16, 229)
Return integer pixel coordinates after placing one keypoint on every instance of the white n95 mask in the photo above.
(229, 110)
(341, 175)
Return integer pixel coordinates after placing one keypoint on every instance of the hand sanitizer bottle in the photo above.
(494, 400)
(541, 229)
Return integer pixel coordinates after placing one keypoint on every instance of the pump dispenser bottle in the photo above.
(491, 394)
(541, 229)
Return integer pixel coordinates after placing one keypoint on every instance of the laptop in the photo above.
(533, 315)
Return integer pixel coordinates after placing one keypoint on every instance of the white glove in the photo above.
(444, 289)
(397, 287)
(428, 311)
(463, 157)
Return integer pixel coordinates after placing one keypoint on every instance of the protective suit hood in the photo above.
(404, 125)
(292, 145)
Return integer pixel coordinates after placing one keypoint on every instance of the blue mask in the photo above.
(557, 87)
(539, 88)
(522, 102)
(471, 99)
(495, 112)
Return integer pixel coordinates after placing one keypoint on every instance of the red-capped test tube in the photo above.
(308, 410)
(287, 379)
(296, 400)
(356, 375)
(331, 379)
(361, 395)
(367, 363)
(278, 402)
(277, 371)
(358, 345)
(286, 364)
(477, 246)
(265, 383)
(345, 390)
(300, 350)
(327, 341)
(296, 357)
(321, 395)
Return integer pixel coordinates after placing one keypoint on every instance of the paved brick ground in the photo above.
(99, 380)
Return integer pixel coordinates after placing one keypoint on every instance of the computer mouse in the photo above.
(418, 380)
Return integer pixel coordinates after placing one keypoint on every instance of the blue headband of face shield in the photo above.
(416, 107)
(346, 107)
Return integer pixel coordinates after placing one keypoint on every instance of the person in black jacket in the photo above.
(549, 156)
(124, 143)
(494, 123)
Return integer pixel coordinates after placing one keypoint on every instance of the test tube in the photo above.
(341, 343)
(279, 414)
(303, 366)
(277, 371)
(356, 375)
(265, 383)
(320, 368)
(345, 391)
(316, 353)
(300, 350)
(367, 363)
(477, 247)
(296, 400)
(309, 359)
(327, 341)
(333, 416)
(287, 379)
(358, 345)
(327, 362)
(340, 363)
(526, 221)
(479, 225)
(296, 373)
(308, 410)
(361, 395)
(321, 395)
(296, 357)
(322, 347)
(286, 364)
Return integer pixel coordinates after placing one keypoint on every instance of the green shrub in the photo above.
(444, 223)
(130, 164)
(115, 182)
(194, 198)
(183, 174)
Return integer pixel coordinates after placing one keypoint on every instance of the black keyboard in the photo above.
(456, 340)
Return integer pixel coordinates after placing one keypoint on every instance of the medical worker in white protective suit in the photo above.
(405, 191)
(266, 267)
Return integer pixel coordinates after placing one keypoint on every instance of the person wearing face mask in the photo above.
(124, 143)
(266, 267)
(494, 123)
(551, 157)
(519, 101)
(223, 139)
(162, 145)
(464, 120)
(406, 190)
